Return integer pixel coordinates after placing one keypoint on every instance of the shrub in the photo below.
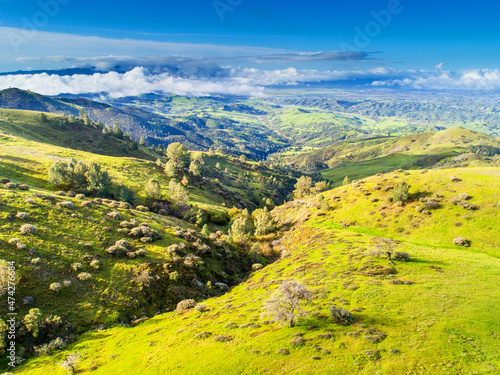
(84, 276)
(143, 231)
(76, 266)
(401, 256)
(22, 215)
(401, 192)
(46, 349)
(463, 196)
(67, 283)
(454, 179)
(11, 185)
(66, 204)
(430, 204)
(28, 229)
(460, 241)
(141, 253)
(95, 263)
(23, 187)
(222, 338)
(114, 215)
(142, 208)
(87, 204)
(56, 287)
(123, 243)
(257, 266)
(13, 241)
(186, 304)
(124, 205)
(200, 307)
(192, 261)
(80, 197)
(116, 250)
(341, 316)
(202, 335)
(298, 341)
(21, 245)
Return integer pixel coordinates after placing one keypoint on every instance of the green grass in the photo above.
(362, 169)
(445, 322)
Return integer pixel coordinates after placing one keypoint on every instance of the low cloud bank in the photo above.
(244, 81)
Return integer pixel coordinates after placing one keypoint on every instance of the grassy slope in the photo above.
(58, 131)
(64, 239)
(446, 322)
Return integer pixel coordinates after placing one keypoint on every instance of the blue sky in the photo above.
(418, 35)
(461, 34)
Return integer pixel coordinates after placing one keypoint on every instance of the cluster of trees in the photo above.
(82, 177)
(246, 225)
(305, 187)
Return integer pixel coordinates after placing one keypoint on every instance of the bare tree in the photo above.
(285, 304)
(70, 362)
(387, 246)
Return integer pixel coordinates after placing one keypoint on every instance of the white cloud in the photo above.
(243, 81)
(234, 81)
(135, 82)
(469, 79)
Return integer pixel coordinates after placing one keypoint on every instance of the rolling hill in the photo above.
(431, 311)
(361, 158)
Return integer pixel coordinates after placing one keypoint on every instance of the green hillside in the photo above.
(361, 158)
(434, 314)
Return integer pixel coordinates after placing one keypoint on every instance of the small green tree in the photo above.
(86, 120)
(347, 181)
(43, 118)
(217, 166)
(302, 187)
(142, 141)
(124, 194)
(205, 232)
(401, 191)
(264, 222)
(170, 169)
(153, 191)
(177, 153)
(117, 131)
(243, 159)
(99, 181)
(319, 187)
(178, 193)
(243, 227)
(196, 166)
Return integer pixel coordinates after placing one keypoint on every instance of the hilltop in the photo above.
(431, 311)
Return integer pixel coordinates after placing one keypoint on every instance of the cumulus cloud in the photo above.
(231, 81)
(135, 82)
(469, 79)
(243, 81)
